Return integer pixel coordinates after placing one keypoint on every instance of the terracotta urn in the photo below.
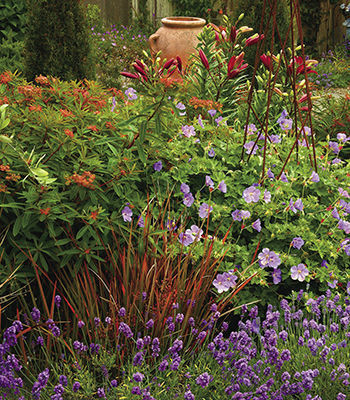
(177, 37)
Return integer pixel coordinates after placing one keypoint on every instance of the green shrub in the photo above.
(11, 55)
(191, 8)
(13, 19)
(58, 43)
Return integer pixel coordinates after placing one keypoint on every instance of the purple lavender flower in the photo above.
(122, 312)
(97, 321)
(188, 395)
(114, 383)
(188, 199)
(63, 380)
(149, 324)
(157, 166)
(140, 222)
(299, 272)
(76, 386)
(35, 314)
(56, 331)
(222, 187)
(204, 210)
(124, 328)
(127, 214)
(58, 300)
(188, 130)
(257, 225)
(297, 243)
(251, 194)
(204, 379)
(81, 324)
(136, 390)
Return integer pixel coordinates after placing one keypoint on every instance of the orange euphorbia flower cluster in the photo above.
(5, 78)
(85, 180)
(207, 104)
(30, 91)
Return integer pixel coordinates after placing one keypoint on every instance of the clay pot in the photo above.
(177, 37)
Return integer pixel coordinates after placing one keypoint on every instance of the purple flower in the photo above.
(122, 312)
(286, 124)
(251, 194)
(218, 120)
(268, 258)
(196, 232)
(81, 324)
(140, 222)
(239, 215)
(200, 122)
(344, 225)
(131, 93)
(276, 276)
(149, 324)
(257, 225)
(345, 245)
(188, 130)
(182, 107)
(222, 187)
(158, 166)
(297, 243)
(63, 380)
(211, 153)
(127, 214)
(251, 147)
(186, 238)
(136, 390)
(275, 139)
(343, 193)
(221, 283)
(204, 379)
(334, 146)
(58, 300)
(97, 321)
(108, 320)
(184, 188)
(56, 331)
(113, 104)
(35, 314)
(251, 128)
(209, 182)
(212, 112)
(299, 272)
(314, 177)
(188, 395)
(205, 210)
(295, 206)
(76, 386)
(114, 383)
(188, 199)
(270, 174)
(283, 177)
(267, 196)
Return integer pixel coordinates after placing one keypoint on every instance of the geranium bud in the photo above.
(266, 60)
(233, 34)
(139, 69)
(254, 39)
(169, 63)
(179, 63)
(204, 59)
(130, 75)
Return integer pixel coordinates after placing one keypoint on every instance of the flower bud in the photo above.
(204, 59)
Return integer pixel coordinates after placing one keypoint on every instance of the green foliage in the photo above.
(191, 8)
(94, 18)
(310, 14)
(252, 10)
(116, 49)
(12, 19)
(57, 41)
(11, 55)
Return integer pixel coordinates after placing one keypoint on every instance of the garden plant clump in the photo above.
(136, 222)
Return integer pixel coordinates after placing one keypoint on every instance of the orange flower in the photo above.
(66, 113)
(4, 100)
(220, 11)
(94, 215)
(69, 133)
(92, 128)
(35, 107)
(45, 211)
(42, 80)
(5, 77)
